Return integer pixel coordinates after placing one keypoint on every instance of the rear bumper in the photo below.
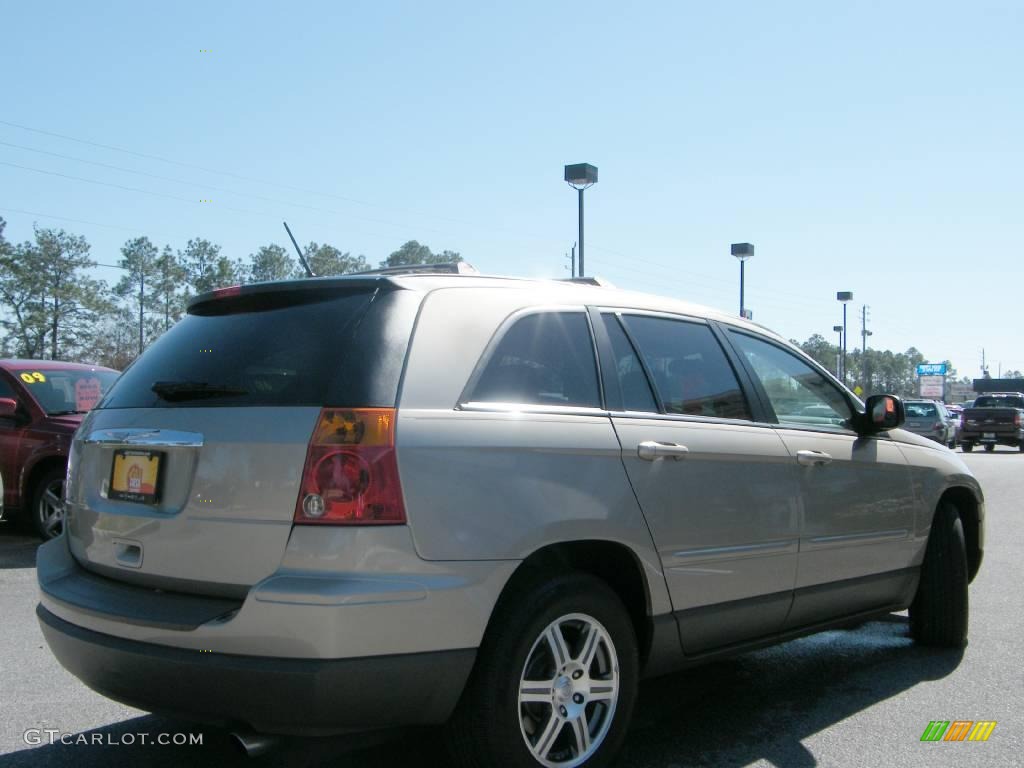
(999, 438)
(269, 695)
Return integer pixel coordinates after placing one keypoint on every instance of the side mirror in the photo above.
(8, 408)
(882, 413)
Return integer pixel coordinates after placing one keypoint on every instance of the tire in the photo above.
(47, 510)
(951, 445)
(938, 615)
(989, 447)
(1020, 446)
(493, 726)
(966, 447)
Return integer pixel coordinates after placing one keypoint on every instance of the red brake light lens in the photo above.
(351, 472)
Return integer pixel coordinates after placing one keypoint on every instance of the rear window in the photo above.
(63, 391)
(999, 402)
(921, 410)
(292, 348)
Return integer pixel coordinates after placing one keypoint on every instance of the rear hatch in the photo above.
(186, 475)
(923, 418)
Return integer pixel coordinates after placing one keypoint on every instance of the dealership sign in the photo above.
(933, 387)
(931, 369)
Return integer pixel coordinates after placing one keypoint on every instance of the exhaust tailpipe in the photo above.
(253, 744)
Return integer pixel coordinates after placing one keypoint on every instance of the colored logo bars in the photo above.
(958, 730)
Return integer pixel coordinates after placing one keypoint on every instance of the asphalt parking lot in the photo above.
(859, 697)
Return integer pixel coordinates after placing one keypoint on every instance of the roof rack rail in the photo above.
(451, 268)
(598, 281)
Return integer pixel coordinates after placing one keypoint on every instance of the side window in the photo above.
(6, 390)
(636, 390)
(543, 359)
(691, 372)
(799, 395)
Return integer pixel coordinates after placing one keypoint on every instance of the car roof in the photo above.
(17, 364)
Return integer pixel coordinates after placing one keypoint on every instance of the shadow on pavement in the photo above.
(17, 547)
(758, 706)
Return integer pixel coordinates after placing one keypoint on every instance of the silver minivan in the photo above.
(342, 504)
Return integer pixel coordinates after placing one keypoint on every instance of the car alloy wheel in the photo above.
(50, 509)
(568, 691)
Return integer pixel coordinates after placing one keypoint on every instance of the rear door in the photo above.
(187, 474)
(719, 490)
(856, 541)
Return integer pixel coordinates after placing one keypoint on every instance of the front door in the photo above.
(856, 541)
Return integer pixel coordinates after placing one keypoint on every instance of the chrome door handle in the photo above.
(649, 450)
(813, 458)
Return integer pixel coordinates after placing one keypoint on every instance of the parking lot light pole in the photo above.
(839, 349)
(845, 297)
(742, 251)
(581, 176)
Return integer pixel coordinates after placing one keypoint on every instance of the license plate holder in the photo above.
(135, 476)
(988, 436)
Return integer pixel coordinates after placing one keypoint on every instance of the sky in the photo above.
(871, 147)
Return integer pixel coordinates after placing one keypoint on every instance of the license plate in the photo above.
(135, 476)
(988, 436)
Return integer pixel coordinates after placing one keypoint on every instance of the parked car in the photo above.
(955, 412)
(997, 418)
(347, 503)
(41, 405)
(929, 418)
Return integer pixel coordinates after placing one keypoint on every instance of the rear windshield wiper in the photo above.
(194, 390)
(64, 413)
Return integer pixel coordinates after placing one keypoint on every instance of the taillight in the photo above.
(1016, 419)
(938, 426)
(351, 472)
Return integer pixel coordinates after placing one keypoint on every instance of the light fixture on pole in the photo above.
(839, 349)
(845, 297)
(742, 251)
(581, 176)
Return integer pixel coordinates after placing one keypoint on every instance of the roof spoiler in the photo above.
(451, 268)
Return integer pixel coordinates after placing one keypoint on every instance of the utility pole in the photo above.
(574, 259)
(864, 333)
(142, 302)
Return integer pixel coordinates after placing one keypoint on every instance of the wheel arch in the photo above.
(31, 475)
(613, 562)
(969, 510)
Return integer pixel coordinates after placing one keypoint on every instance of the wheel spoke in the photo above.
(533, 691)
(581, 732)
(603, 690)
(590, 645)
(548, 736)
(53, 523)
(52, 499)
(559, 649)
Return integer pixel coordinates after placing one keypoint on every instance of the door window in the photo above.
(636, 390)
(691, 373)
(799, 394)
(543, 359)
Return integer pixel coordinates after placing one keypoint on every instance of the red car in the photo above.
(41, 406)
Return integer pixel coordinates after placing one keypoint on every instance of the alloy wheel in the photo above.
(50, 511)
(568, 691)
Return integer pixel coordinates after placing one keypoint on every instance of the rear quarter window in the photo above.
(296, 348)
(545, 358)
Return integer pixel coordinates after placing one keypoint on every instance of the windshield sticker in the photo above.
(87, 394)
(33, 378)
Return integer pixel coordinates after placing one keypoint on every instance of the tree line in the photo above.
(51, 308)
(878, 371)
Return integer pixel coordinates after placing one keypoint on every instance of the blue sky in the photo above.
(870, 147)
